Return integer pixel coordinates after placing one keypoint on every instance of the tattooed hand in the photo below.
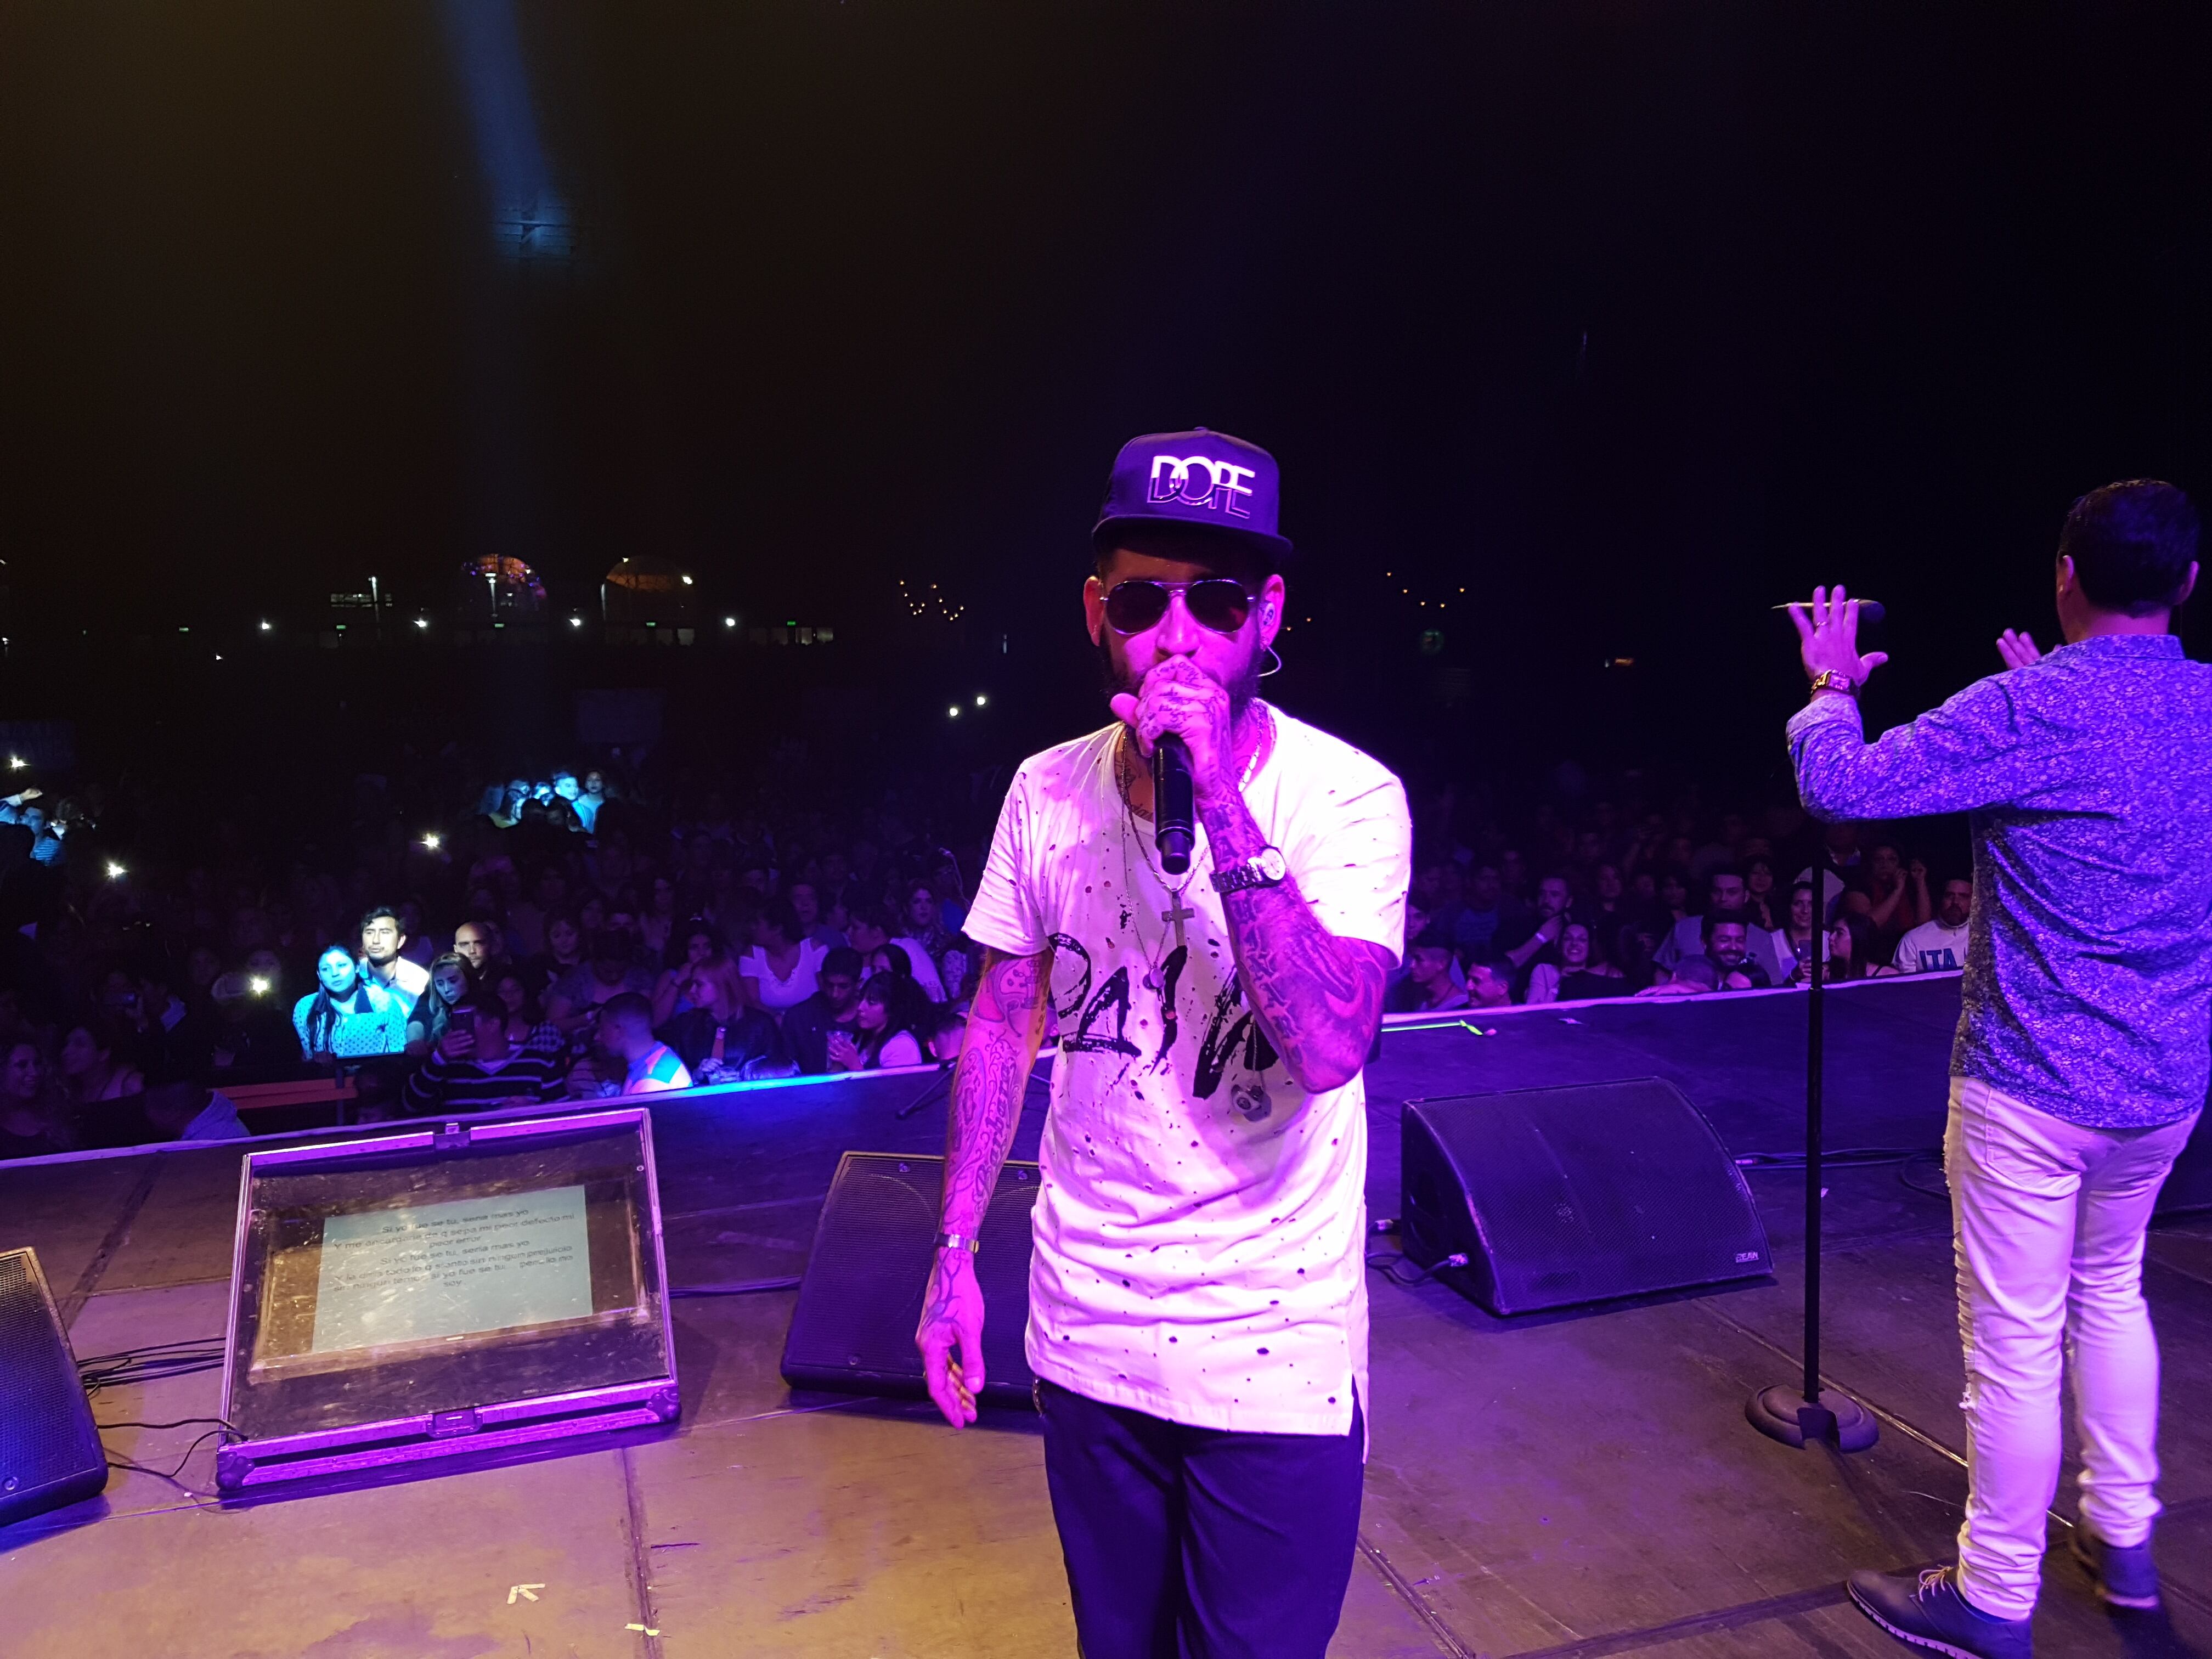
(1180, 697)
(1004, 1025)
(952, 1316)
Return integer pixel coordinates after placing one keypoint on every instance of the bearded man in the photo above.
(1198, 1317)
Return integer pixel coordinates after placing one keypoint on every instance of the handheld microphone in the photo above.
(1869, 610)
(1172, 812)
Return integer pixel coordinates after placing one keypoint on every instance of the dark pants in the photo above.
(1186, 1543)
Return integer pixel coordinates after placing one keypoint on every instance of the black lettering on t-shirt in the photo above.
(1113, 992)
(1169, 1025)
(1214, 1052)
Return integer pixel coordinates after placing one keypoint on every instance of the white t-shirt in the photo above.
(1200, 1236)
(780, 993)
(1929, 948)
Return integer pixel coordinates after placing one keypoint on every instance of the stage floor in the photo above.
(1573, 1486)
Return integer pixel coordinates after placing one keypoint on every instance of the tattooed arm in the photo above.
(1004, 1024)
(1318, 997)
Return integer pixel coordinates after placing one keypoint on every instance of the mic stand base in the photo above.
(1783, 1413)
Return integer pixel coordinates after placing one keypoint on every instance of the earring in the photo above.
(1275, 659)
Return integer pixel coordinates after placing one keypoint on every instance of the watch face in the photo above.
(1272, 864)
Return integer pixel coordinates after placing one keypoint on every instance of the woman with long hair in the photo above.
(433, 1010)
(1853, 949)
(688, 949)
(885, 1036)
(780, 969)
(96, 1065)
(35, 1117)
(345, 1016)
(562, 956)
(656, 922)
(1573, 968)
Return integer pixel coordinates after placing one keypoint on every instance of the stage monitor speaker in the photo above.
(49, 1449)
(853, 1329)
(1568, 1195)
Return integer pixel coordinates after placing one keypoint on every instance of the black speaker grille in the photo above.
(1573, 1194)
(853, 1329)
(49, 1452)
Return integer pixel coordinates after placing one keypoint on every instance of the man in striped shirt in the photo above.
(474, 1067)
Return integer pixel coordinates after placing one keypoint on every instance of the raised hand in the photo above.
(1828, 637)
(2017, 649)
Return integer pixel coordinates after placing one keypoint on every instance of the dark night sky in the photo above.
(1631, 318)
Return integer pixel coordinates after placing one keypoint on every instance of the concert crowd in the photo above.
(589, 933)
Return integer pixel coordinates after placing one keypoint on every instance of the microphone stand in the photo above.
(1809, 1414)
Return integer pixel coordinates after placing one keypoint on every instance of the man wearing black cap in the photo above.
(1198, 1317)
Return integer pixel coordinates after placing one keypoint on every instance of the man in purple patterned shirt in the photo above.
(2081, 1057)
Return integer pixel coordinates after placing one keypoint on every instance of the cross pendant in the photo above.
(1177, 914)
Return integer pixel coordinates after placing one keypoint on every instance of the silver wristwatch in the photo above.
(1265, 868)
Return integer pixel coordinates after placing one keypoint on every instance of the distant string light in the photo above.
(919, 603)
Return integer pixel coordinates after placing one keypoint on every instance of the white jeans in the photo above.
(2048, 1219)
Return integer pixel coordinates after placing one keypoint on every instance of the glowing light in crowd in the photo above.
(729, 621)
(954, 711)
(421, 621)
(17, 762)
(265, 627)
(114, 871)
(258, 986)
(575, 622)
(979, 700)
(431, 842)
(687, 581)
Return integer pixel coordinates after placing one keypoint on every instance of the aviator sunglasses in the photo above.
(1216, 602)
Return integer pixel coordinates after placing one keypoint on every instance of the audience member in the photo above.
(1853, 946)
(1762, 903)
(948, 1030)
(833, 1010)
(806, 903)
(1897, 898)
(782, 969)
(480, 943)
(1939, 944)
(1427, 986)
(882, 1037)
(35, 1117)
(700, 944)
(95, 1067)
(717, 1037)
(1722, 962)
(475, 1065)
(1724, 891)
(611, 971)
(382, 939)
(1575, 969)
(345, 1016)
(625, 1032)
(447, 990)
